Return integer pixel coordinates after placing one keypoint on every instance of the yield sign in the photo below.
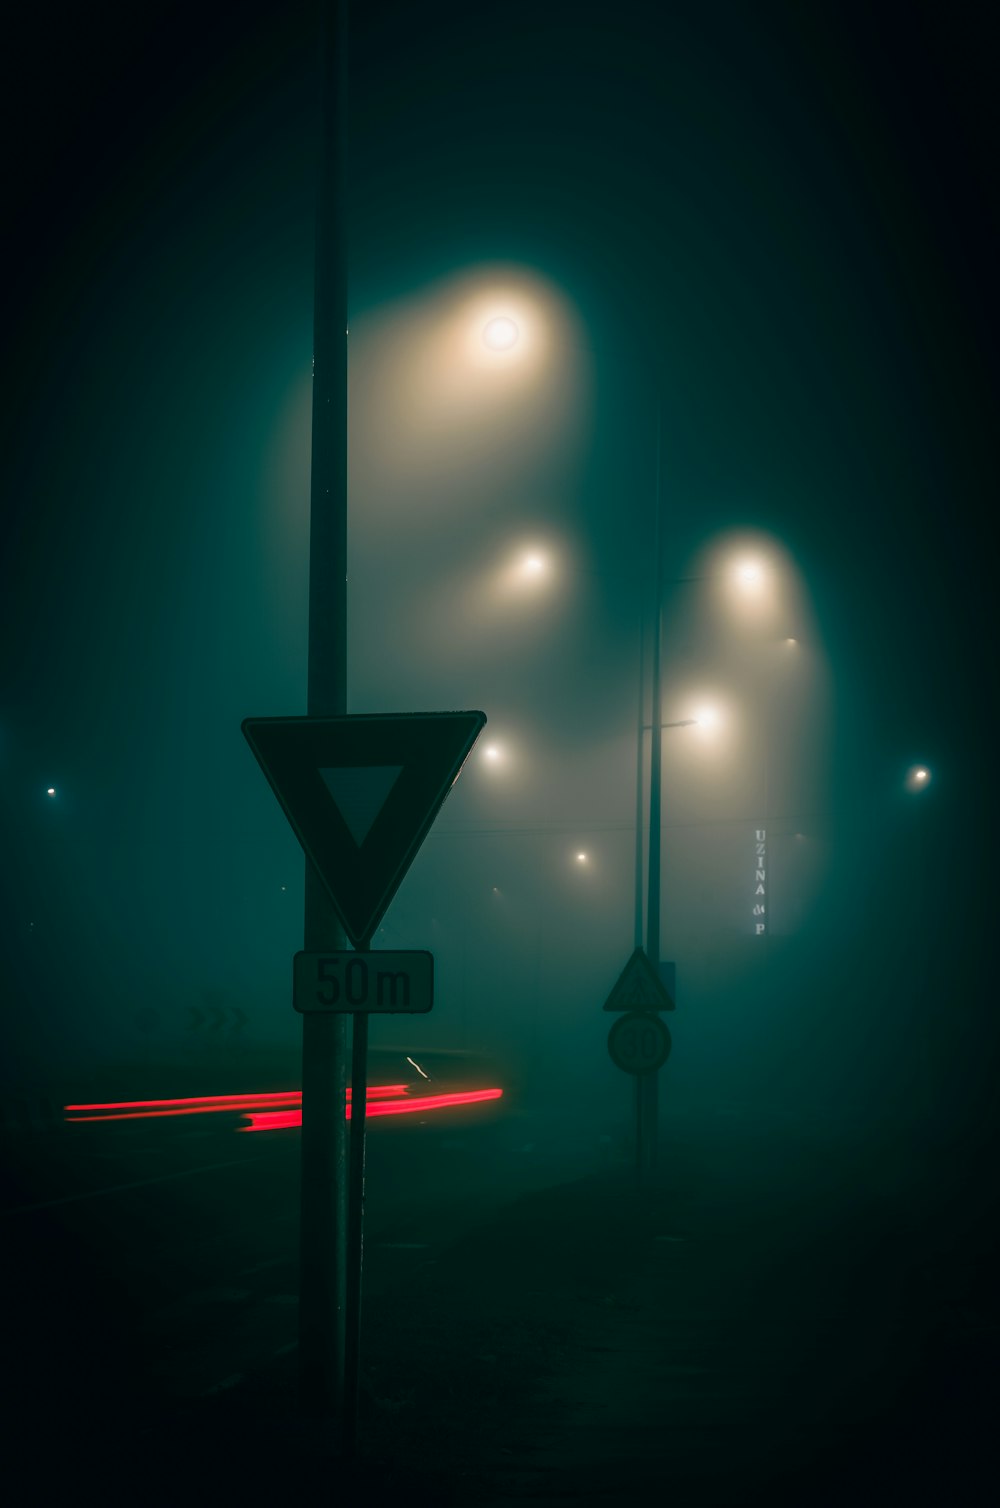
(361, 794)
(639, 988)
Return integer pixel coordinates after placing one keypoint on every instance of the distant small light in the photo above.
(51, 791)
(918, 778)
(791, 641)
(581, 858)
(500, 334)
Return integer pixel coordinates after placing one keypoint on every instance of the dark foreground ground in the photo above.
(784, 1317)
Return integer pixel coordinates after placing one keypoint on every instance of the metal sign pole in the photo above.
(355, 1224)
(323, 1248)
(639, 1140)
(303, 759)
(647, 1091)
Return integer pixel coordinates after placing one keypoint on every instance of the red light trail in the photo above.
(273, 1111)
(125, 1110)
(279, 1120)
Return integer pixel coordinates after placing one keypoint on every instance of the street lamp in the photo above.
(750, 574)
(500, 333)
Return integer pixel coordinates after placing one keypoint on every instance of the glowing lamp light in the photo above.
(581, 858)
(707, 717)
(51, 791)
(531, 572)
(919, 778)
(749, 573)
(492, 753)
(500, 334)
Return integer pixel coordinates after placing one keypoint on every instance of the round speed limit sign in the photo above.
(639, 1042)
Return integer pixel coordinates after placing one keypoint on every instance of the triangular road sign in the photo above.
(361, 794)
(639, 988)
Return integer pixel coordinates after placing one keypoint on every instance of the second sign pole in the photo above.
(355, 1224)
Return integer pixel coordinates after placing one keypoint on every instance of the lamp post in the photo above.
(647, 1085)
(500, 334)
(323, 1234)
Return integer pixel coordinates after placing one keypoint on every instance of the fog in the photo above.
(501, 533)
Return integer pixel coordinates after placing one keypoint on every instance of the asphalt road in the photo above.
(784, 1316)
(147, 1262)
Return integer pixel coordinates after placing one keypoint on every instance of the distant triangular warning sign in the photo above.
(361, 793)
(639, 988)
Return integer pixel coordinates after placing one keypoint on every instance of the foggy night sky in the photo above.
(788, 214)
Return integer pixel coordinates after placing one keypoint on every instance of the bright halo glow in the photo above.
(749, 573)
(581, 858)
(500, 334)
(918, 778)
(527, 572)
(707, 717)
(51, 791)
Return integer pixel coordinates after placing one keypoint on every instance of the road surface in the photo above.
(784, 1316)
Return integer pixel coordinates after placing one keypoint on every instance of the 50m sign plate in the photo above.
(341, 983)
